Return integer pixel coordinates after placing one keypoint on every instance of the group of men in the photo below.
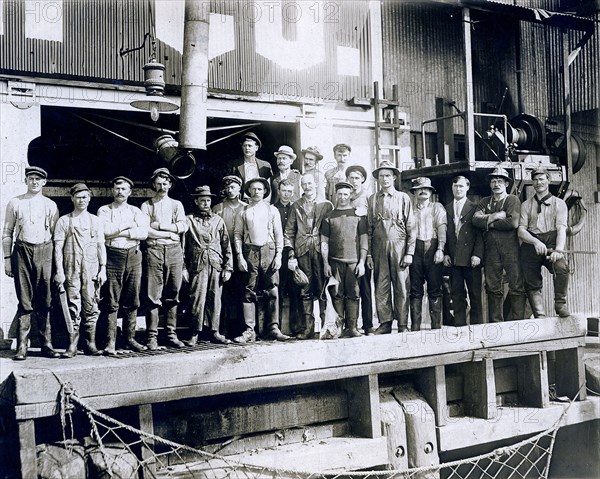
(275, 237)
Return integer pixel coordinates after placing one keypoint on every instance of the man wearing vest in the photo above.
(392, 239)
(258, 240)
(125, 226)
(302, 238)
(164, 258)
(543, 232)
(498, 216)
(27, 246)
(464, 254)
(80, 258)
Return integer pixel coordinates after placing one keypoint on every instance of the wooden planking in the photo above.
(570, 373)
(480, 389)
(27, 454)
(432, 384)
(533, 387)
(364, 414)
(393, 428)
(257, 366)
(506, 378)
(511, 422)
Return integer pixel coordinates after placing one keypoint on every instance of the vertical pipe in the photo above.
(376, 108)
(469, 109)
(194, 77)
(567, 102)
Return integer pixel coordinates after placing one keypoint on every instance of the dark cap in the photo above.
(78, 188)
(343, 184)
(202, 191)
(122, 178)
(314, 150)
(540, 171)
(227, 180)
(358, 169)
(421, 182)
(265, 183)
(36, 170)
(251, 136)
(162, 171)
(340, 146)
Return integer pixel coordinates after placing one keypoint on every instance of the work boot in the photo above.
(352, 310)
(152, 329)
(89, 338)
(73, 340)
(129, 329)
(248, 336)
(171, 327)
(495, 308)
(561, 284)
(309, 320)
(435, 312)
(322, 310)
(517, 307)
(219, 338)
(536, 301)
(110, 350)
(384, 328)
(23, 337)
(416, 313)
(193, 341)
(45, 333)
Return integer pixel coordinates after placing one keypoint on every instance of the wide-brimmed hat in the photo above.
(202, 191)
(340, 146)
(231, 179)
(343, 184)
(252, 136)
(358, 169)
(314, 150)
(162, 171)
(421, 182)
(265, 183)
(286, 150)
(499, 172)
(122, 178)
(386, 165)
(36, 170)
(78, 188)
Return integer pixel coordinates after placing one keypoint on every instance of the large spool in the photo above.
(527, 133)
(557, 145)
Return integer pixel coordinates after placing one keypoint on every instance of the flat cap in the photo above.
(232, 179)
(343, 184)
(162, 171)
(251, 136)
(202, 191)
(78, 188)
(540, 171)
(340, 146)
(36, 170)
(122, 178)
(358, 169)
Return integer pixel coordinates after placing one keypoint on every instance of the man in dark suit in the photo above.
(463, 254)
(250, 167)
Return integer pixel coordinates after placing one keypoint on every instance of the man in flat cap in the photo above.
(341, 153)
(392, 237)
(125, 226)
(543, 232)
(427, 266)
(250, 167)
(80, 259)
(344, 246)
(233, 290)
(285, 157)
(302, 238)
(209, 262)
(258, 240)
(311, 157)
(27, 246)
(163, 258)
(498, 216)
(356, 175)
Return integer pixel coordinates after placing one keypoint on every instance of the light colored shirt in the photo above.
(250, 170)
(458, 207)
(30, 219)
(258, 225)
(554, 215)
(431, 221)
(117, 219)
(81, 234)
(165, 211)
(228, 211)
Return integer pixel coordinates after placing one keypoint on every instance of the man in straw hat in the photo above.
(311, 157)
(285, 157)
(392, 238)
(164, 258)
(258, 240)
(344, 246)
(302, 238)
(543, 226)
(498, 216)
(209, 263)
(80, 259)
(27, 246)
(427, 266)
(125, 226)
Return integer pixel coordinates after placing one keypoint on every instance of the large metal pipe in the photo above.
(194, 77)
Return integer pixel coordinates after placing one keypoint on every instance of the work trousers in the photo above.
(423, 269)
(205, 292)
(532, 266)
(366, 298)
(81, 287)
(32, 270)
(261, 277)
(164, 265)
(391, 281)
(312, 264)
(124, 278)
(232, 317)
(471, 277)
(348, 282)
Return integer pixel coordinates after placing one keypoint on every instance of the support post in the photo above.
(532, 375)
(26, 431)
(393, 427)
(432, 383)
(364, 414)
(480, 389)
(469, 107)
(146, 422)
(570, 373)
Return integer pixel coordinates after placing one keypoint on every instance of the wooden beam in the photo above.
(146, 423)
(533, 388)
(480, 389)
(363, 406)
(469, 97)
(393, 427)
(570, 373)
(432, 384)
(27, 454)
